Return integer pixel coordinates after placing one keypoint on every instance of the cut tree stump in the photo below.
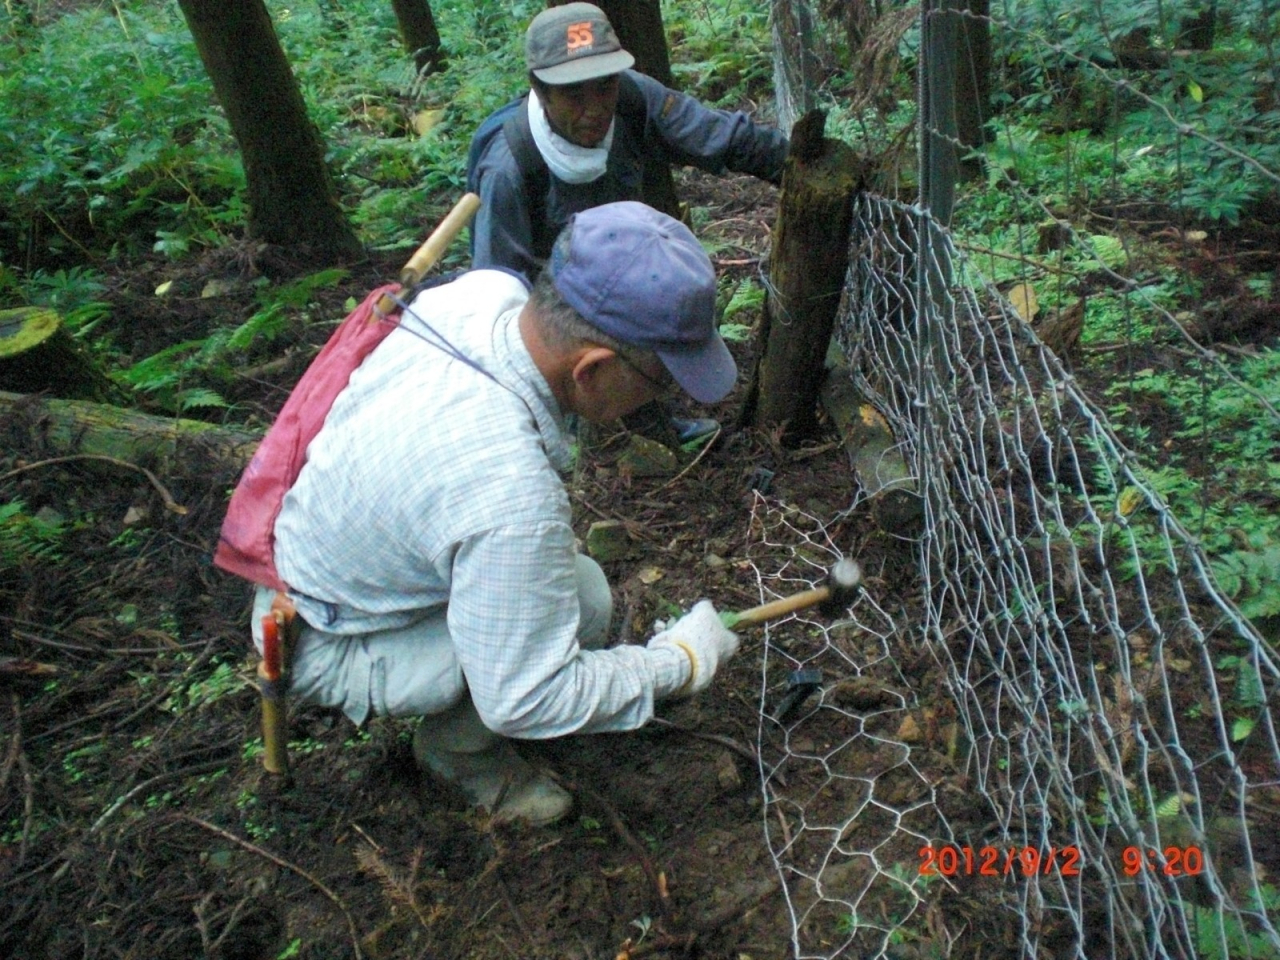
(38, 354)
(807, 272)
(69, 427)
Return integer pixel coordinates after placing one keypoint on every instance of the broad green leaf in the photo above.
(1242, 728)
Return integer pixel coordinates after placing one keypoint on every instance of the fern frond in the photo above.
(25, 539)
(1252, 579)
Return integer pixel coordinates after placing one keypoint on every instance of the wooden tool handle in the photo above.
(425, 257)
(275, 729)
(783, 606)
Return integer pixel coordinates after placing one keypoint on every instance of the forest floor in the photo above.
(136, 820)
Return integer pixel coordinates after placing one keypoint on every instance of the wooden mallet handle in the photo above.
(841, 589)
(784, 605)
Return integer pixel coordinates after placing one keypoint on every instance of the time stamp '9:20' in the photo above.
(950, 860)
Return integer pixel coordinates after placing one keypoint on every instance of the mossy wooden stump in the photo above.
(38, 355)
(806, 272)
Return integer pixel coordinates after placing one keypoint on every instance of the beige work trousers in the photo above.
(413, 670)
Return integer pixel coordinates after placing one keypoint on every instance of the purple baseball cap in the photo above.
(642, 277)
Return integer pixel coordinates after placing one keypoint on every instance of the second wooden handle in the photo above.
(425, 257)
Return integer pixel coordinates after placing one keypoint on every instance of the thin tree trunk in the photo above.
(419, 34)
(973, 83)
(291, 196)
(794, 61)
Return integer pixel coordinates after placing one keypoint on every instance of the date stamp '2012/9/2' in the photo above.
(956, 861)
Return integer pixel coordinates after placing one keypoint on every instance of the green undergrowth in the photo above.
(112, 141)
(1121, 188)
(112, 145)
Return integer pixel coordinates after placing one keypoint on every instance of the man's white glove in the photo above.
(704, 640)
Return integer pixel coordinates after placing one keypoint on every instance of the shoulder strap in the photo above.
(632, 108)
(533, 174)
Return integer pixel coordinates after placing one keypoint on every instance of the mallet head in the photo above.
(843, 582)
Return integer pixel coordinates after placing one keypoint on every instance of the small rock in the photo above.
(650, 575)
(608, 540)
(217, 288)
(647, 458)
(860, 694)
(727, 774)
(714, 561)
(50, 516)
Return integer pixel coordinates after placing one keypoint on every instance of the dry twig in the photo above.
(728, 742)
(696, 460)
(657, 879)
(293, 868)
(170, 504)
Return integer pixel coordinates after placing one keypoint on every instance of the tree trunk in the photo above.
(1198, 32)
(973, 84)
(419, 34)
(807, 273)
(939, 39)
(291, 196)
(38, 354)
(640, 30)
(70, 427)
(794, 61)
(854, 17)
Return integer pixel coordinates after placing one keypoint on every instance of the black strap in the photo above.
(534, 175)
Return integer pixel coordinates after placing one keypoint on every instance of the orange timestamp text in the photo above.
(1171, 861)
(950, 860)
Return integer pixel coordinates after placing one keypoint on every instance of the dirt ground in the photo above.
(137, 822)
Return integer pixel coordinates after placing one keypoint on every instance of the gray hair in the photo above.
(564, 327)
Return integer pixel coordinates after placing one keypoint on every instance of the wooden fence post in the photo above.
(807, 273)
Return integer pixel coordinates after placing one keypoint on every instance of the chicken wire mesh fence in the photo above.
(1059, 741)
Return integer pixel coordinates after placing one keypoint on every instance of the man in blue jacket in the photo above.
(581, 139)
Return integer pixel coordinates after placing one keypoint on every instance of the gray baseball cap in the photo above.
(573, 43)
(643, 278)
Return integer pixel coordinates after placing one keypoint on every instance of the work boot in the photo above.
(482, 766)
(696, 428)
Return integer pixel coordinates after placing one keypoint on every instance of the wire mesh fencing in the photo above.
(1067, 720)
(1057, 737)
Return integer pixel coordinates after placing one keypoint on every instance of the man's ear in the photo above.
(589, 364)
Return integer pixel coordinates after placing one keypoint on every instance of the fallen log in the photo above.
(873, 451)
(69, 427)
